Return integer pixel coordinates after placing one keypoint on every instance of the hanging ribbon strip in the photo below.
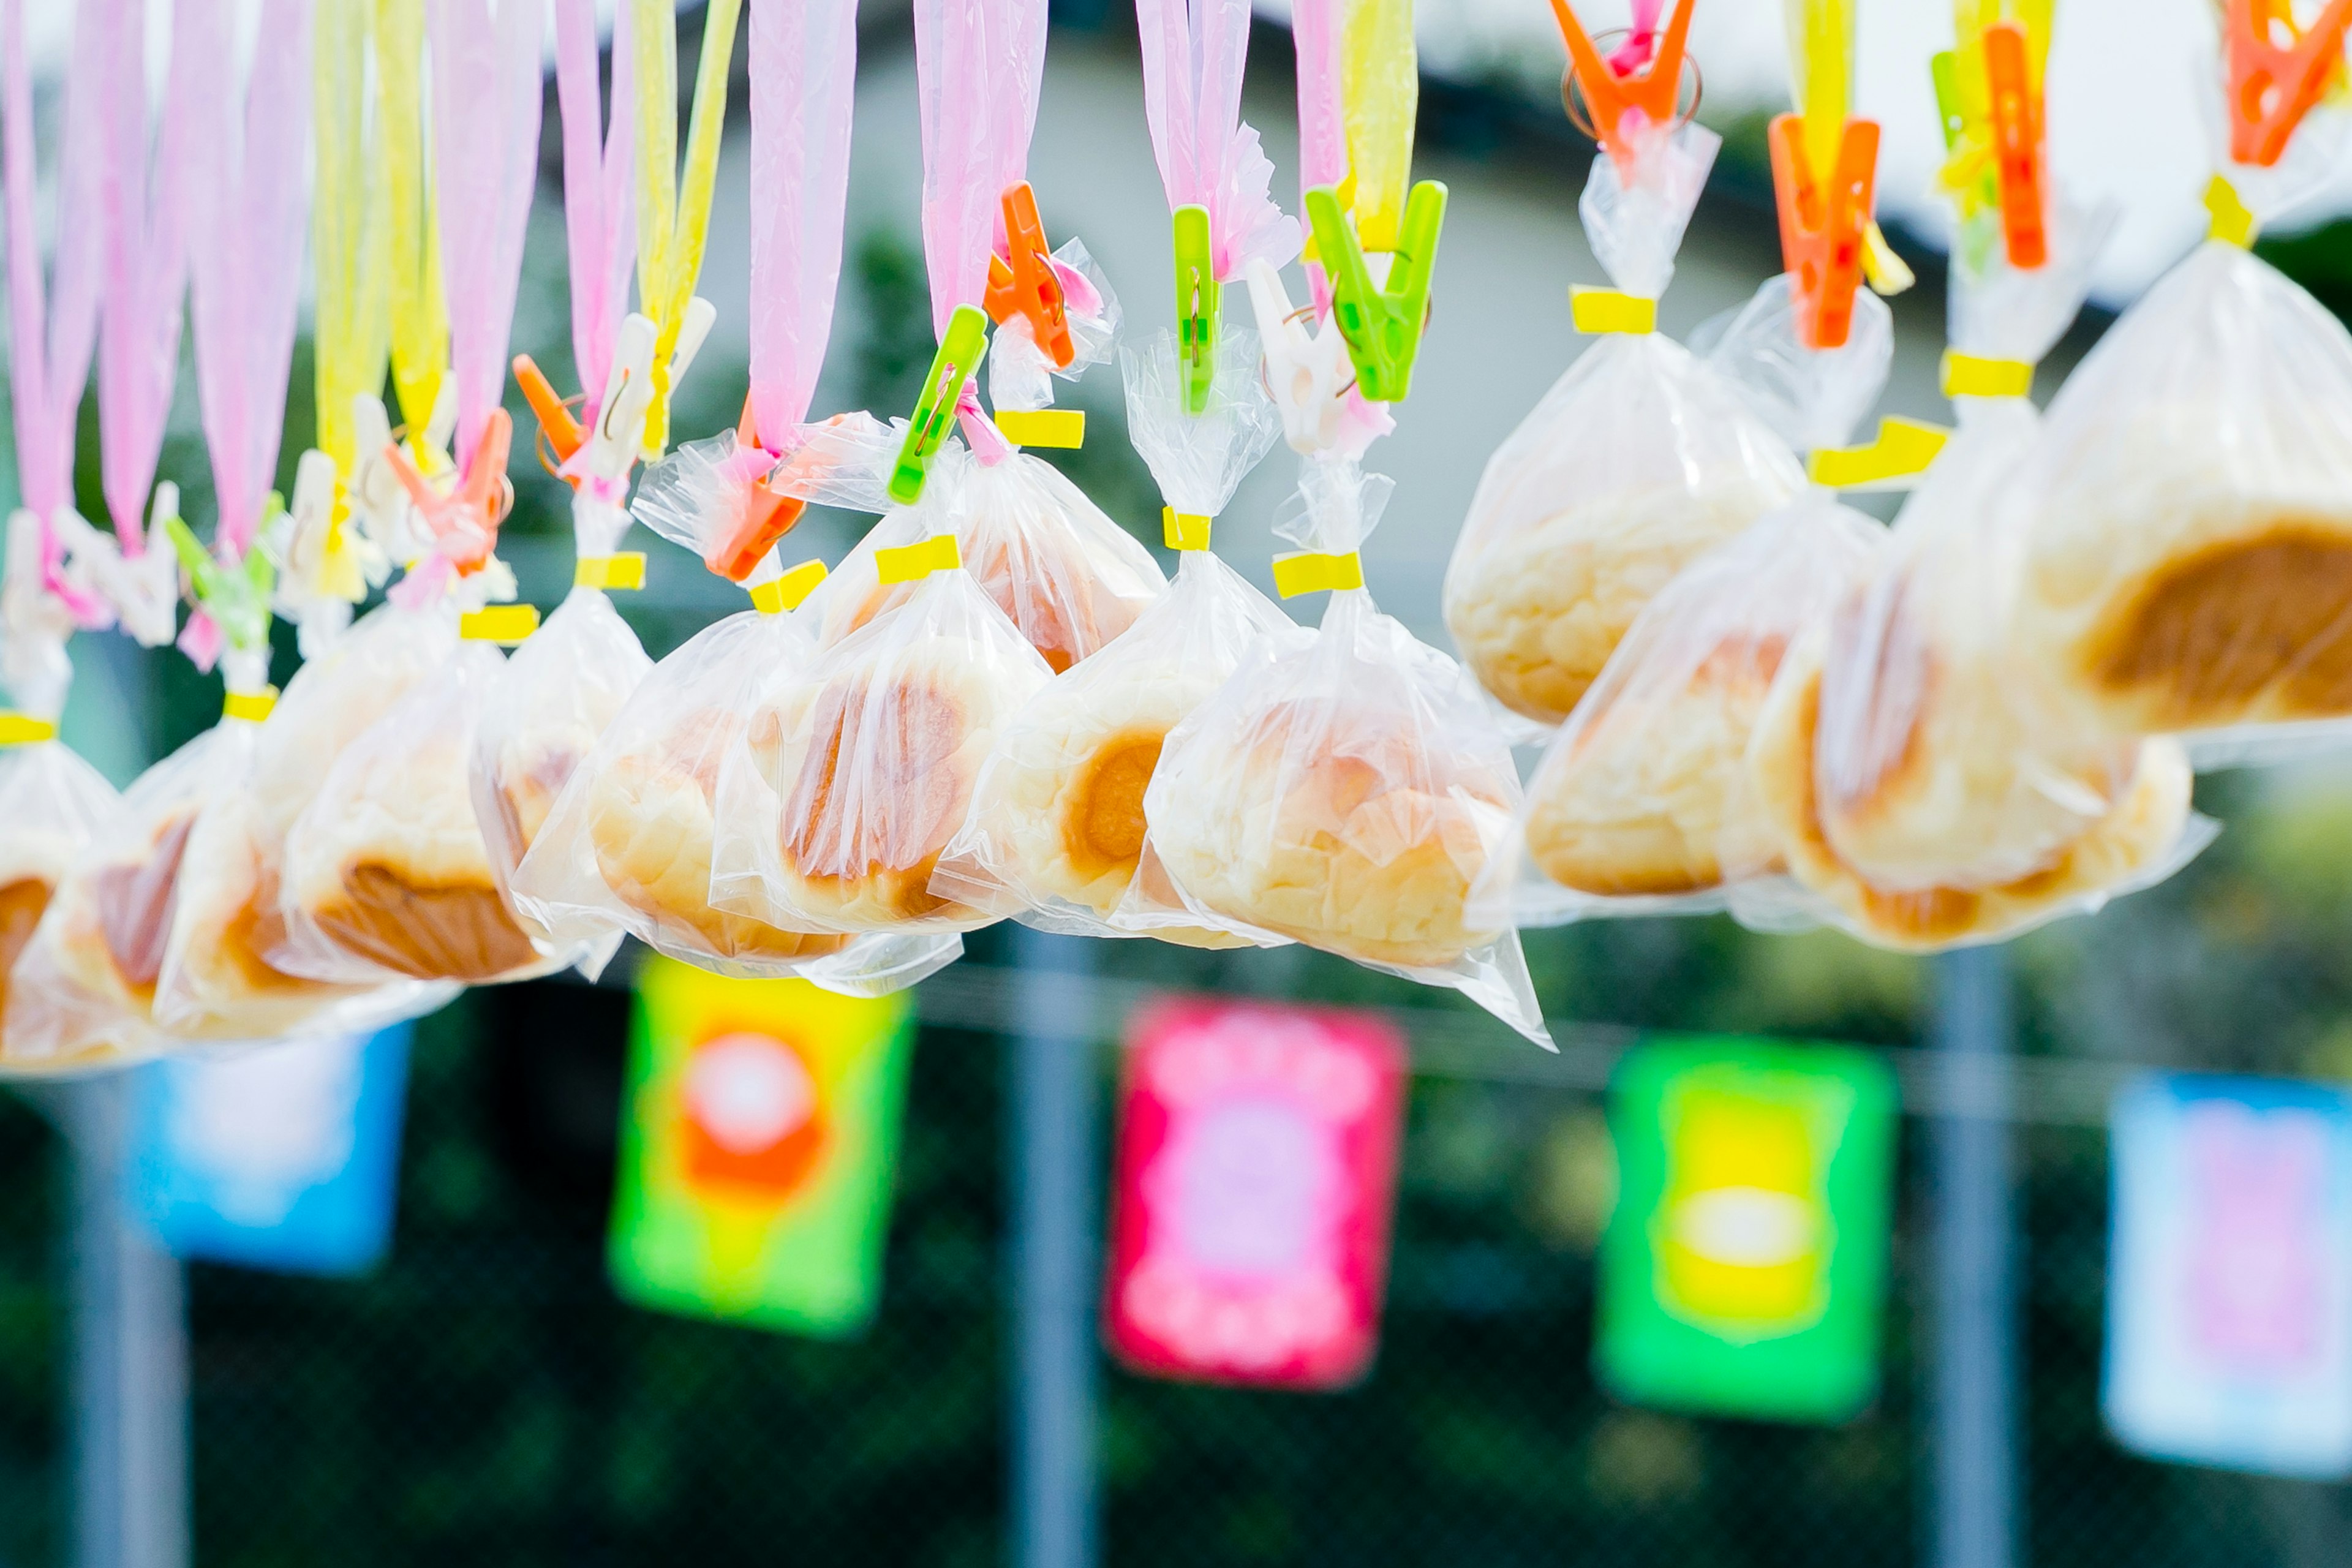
(350, 222)
(485, 166)
(674, 214)
(1322, 124)
(804, 69)
(1193, 56)
(1379, 90)
(144, 236)
(979, 64)
(247, 205)
(599, 221)
(420, 321)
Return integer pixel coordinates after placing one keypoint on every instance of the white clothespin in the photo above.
(691, 332)
(306, 592)
(379, 502)
(612, 446)
(142, 590)
(34, 625)
(1308, 373)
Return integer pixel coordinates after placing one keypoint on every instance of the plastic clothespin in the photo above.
(1023, 284)
(767, 515)
(1822, 224)
(1657, 92)
(2272, 85)
(235, 594)
(1196, 306)
(555, 422)
(609, 450)
(462, 522)
(960, 355)
(2014, 104)
(1380, 324)
(1307, 372)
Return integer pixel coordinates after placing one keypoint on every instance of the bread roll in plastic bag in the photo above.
(1637, 460)
(1069, 578)
(1642, 802)
(628, 845)
(51, 805)
(2187, 566)
(854, 769)
(1344, 789)
(219, 979)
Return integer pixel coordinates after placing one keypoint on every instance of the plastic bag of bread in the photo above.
(627, 847)
(1637, 460)
(1345, 787)
(1069, 578)
(1642, 804)
(855, 768)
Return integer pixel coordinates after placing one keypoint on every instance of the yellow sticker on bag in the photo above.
(788, 592)
(1310, 572)
(2233, 221)
(1183, 530)
(1609, 311)
(1966, 376)
(625, 571)
(1903, 452)
(24, 729)
(1063, 427)
(913, 562)
(251, 706)
(504, 623)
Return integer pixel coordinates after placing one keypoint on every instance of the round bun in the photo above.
(650, 819)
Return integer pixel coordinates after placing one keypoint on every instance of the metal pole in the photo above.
(130, 1355)
(1975, 1404)
(1053, 1165)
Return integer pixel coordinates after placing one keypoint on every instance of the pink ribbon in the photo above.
(247, 210)
(599, 198)
(1322, 122)
(1193, 56)
(1641, 42)
(989, 447)
(979, 64)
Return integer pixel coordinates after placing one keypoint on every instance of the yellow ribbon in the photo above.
(1183, 530)
(1903, 449)
(1608, 310)
(1310, 572)
(251, 706)
(913, 562)
(420, 317)
(626, 570)
(1380, 93)
(1967, 375)
(351, 213)
(1065, 427)
(2233, 222)
(24, 729)
(507, 624)
(788, 592)
(674, 217)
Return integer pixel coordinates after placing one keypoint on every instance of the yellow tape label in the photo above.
(1183, 530)
(1063, 427)
(788, 592)
(2233, 222)
(1966, 376)
(1903, 452)
(913, 562)
(625, 571)
(1608, 310)
(1308, 572)
(24, 729)
(504, 623)
(251, 706)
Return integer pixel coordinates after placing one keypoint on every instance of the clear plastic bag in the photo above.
(1055, 829)
(51, 805)
(854, 769)
(1199, 459)
(2189, 557)
(1069, 578)
(1641, 804)
(1637, 460)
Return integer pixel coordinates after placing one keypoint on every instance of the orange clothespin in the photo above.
(2015, 101)
(767, 516)
(2274, 86)
(555, 421)
(1821, 224)
(1023, 284)
(464, 521)
(1657, 92)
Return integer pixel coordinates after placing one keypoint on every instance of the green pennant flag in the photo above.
(757, 1149)
(1744, 1268)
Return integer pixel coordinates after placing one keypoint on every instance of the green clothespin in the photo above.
(1381, 326)
(236, 595)
(1196, 306)
(958, 357)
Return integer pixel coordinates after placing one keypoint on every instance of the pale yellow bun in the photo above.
(530, 771)
(2143, 826)
(1367, 850)
(1650, 797)
(649, 820)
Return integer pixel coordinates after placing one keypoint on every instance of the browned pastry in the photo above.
(135, 900)
(21, 903)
